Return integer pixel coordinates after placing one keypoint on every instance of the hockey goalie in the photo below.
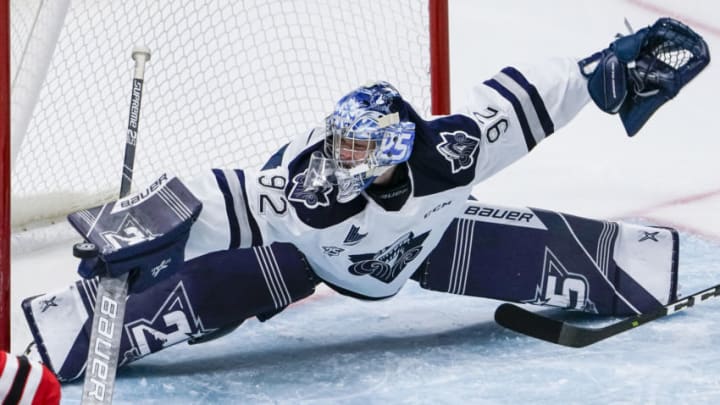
(376, 197)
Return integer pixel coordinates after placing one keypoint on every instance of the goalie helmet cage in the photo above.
(229, 83)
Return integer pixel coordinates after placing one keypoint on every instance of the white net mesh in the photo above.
(228, 83)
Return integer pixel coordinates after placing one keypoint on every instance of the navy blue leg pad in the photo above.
(544, 257)
(208, 294)
(221, 289)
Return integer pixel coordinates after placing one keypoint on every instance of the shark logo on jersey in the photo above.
(560, 288)
(354, 236)
(459, 149)
(386, 264)
(311, 199)
(130, 232)
(173, 322)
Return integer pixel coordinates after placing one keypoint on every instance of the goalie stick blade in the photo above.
(528, 323)
(562, 333)
(559, 332)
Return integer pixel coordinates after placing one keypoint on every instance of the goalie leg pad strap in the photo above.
(207, 294)
(548, 258)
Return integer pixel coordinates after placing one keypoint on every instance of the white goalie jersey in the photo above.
(362, 246)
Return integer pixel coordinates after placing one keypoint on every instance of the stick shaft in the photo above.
(140, 56)
(109, 315)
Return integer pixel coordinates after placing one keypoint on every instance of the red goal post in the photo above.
(5, 176)
(230, 82)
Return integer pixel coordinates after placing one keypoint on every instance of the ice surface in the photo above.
(424, 347)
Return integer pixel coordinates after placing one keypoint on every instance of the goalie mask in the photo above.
(366, 134)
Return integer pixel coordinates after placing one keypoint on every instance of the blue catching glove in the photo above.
(640, 72)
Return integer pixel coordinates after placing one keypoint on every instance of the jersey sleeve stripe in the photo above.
(229, 207)
(237, 194)
(250, 226)
(536, 128)
(244, 230)
(537, 101)
(530, 141)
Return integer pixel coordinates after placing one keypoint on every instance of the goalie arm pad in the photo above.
(640, 72)
(144, 233)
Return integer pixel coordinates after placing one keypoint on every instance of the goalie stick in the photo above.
(106, 332)
(563, 333)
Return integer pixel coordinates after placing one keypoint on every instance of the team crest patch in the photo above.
(311, 199)
(386, 264)
(459, 149)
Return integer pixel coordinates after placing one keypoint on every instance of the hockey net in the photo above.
(228, 83)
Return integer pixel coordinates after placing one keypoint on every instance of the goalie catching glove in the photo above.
(640, 72)
(144, 234)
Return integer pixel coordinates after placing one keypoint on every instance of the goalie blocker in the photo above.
(143, 234)
(520, 255)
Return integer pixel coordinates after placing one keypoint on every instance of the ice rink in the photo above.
(431, 348)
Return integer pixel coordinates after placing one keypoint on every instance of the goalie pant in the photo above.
(23, 381)
(519, 255)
